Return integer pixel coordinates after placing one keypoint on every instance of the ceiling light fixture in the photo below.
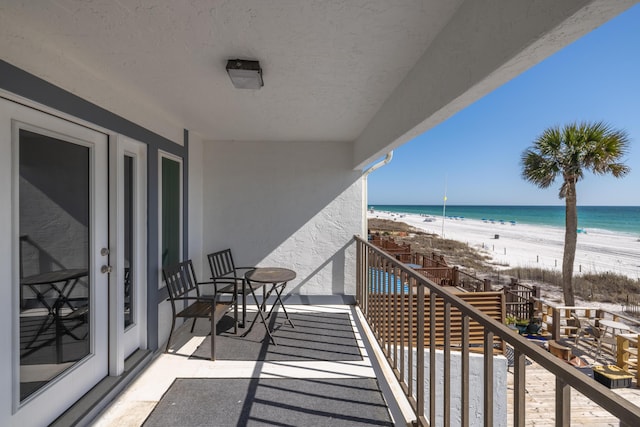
(245, 74)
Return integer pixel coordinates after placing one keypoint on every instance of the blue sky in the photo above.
(476, 153)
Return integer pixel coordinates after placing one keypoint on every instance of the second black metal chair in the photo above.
(225, 272)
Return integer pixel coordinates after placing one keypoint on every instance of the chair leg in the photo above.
(173, 324)
(213, 331)
(235, 313)
(597, 353)
(244, 306)
(194, 324)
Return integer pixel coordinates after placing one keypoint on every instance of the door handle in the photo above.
(105, 269)
(104, 251)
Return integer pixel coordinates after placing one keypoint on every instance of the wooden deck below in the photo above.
(540, 395)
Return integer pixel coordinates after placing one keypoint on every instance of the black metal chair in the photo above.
(225, 272)
(184, 287)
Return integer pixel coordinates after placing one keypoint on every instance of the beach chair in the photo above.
(582, 330)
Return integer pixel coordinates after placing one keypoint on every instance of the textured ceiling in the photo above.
(328, 65)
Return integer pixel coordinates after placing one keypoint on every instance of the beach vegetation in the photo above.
(606, 287)
(535, 275)
(567, 153)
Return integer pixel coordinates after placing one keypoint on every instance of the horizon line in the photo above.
(474, 204)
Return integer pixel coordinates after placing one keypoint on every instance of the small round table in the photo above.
(613, 325)
(276, 277)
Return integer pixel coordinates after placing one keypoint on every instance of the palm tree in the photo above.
(567, 152)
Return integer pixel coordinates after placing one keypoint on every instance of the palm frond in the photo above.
(573, 149)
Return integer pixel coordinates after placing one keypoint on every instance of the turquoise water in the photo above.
(619, 219)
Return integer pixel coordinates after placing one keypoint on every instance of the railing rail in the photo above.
(378, 272)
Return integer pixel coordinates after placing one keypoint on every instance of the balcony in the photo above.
(389, 383)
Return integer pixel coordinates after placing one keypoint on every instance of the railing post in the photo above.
(420, 353)
(464, 374)
(385, 309)
(519, 383)
(410, 332)
(563, 403)
(433, 333)
(555, 330)
(396, 283)
(455, 276)
(447, 366)
(358, 273)
(366, 278)
(403, 280)
(487, 285)
(378, 293)
(488, 378)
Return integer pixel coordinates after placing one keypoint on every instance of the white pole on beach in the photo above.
(444, 206)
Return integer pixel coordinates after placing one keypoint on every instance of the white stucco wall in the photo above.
(196, 197)
(295, 205)
(475, 383)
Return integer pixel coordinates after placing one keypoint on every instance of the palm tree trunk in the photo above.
(570, 241)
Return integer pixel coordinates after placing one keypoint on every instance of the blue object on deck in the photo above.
(536, 337)
(384, 282)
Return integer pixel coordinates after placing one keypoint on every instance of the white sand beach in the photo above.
(522, 245)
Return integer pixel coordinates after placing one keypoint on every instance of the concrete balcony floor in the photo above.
(141, 397)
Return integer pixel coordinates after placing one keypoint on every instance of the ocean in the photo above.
(618, 219)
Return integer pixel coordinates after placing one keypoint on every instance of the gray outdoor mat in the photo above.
(276, 402)
(316, 336)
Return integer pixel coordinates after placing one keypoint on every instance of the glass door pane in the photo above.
(54, 223)
(170, 212)
(129, 232)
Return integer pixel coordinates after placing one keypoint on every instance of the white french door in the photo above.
(54, 262)
(128, 242)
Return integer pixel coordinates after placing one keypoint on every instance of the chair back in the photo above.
(180, 280)
(576, 321)
(221, 264)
